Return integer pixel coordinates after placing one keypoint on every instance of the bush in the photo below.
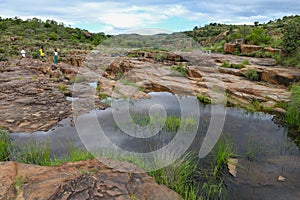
(293, 112)
(226, 64)
(251, 74)
(5, 145)
(3, 57)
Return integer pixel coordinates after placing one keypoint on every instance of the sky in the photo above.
(117, 17)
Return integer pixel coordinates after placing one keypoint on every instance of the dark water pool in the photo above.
(273, 153)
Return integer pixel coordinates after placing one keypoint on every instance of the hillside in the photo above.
(280, 33)
(30, 34)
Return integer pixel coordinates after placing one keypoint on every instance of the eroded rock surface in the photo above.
(32, 95)
(92, 179)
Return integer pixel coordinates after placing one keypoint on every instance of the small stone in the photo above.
(281, 179)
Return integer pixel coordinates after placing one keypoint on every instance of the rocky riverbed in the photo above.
(36, 96)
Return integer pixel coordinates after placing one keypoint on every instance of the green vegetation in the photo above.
(178, 176)
(245, 62)
(5, 145)
(251, 74)
(18, 184)
(32, 33)
(258, 36)
(213, 185)
(203, 98)
(36, 153)
(171, 123)
(181, 69)
(279, 33)
(293, 112)
(62, 87)
(226, 64)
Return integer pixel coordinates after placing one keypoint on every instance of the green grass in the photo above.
(203, 99)
(213, 186)
(251, 74)
(293, 112)
(245, 62)
(171, 123)
(36, 153)
(62, 87)
(5, 145)
(178, 176)
(18, 184)
(226, 64)
(181, 69)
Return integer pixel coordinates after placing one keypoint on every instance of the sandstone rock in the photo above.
(90, 179)
(272, 50)
(245, 48)
(29, 91)
(229, 48)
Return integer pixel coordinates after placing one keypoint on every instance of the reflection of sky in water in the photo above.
(275, 153)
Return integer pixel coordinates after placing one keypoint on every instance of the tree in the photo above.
(256, 23)
(258, 36)
(291, 35)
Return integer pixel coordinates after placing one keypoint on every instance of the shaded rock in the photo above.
(246, 48)
(272, 50)
(229, 48)
(90, 179)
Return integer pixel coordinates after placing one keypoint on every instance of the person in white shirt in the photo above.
(23, 53)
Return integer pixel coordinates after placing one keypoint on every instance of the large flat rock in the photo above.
(91, 179)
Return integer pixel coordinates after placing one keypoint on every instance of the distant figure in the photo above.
(42, 53)
(55, 58)
(23, 53)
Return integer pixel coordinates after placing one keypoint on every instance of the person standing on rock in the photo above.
(42, 53)
(55, 57)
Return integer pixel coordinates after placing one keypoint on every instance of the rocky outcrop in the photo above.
(272, 50)
(203, 78)
(230, 48)
(92, 179)
(30, 95)
(246, 48)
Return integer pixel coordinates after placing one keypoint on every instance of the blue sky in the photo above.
(114, 17)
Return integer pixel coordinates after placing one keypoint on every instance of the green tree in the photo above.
(258, 36)
(291, 35)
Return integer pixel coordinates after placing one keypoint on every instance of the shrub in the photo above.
(293, 112)
(5, 145)
(245, 62)
(183, 70)
(251, 74)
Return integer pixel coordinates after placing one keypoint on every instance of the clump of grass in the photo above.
(226, 64)
(178, 176)
(18, 184)
(203, 98)
(78, 79)
(172, 123)
(251, 74)
(245, 62)
(102, 96)
(293, 111)
(5, 145)
(181, 69)
(34, 153)
(62, 87)
(214, 183)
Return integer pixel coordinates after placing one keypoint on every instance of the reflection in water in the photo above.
(274, 153)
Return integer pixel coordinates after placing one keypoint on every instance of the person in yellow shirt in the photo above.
(42, 53)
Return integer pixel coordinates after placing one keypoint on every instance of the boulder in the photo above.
(229, 48)
(245, 48)
(272, 50)
(91, 179)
